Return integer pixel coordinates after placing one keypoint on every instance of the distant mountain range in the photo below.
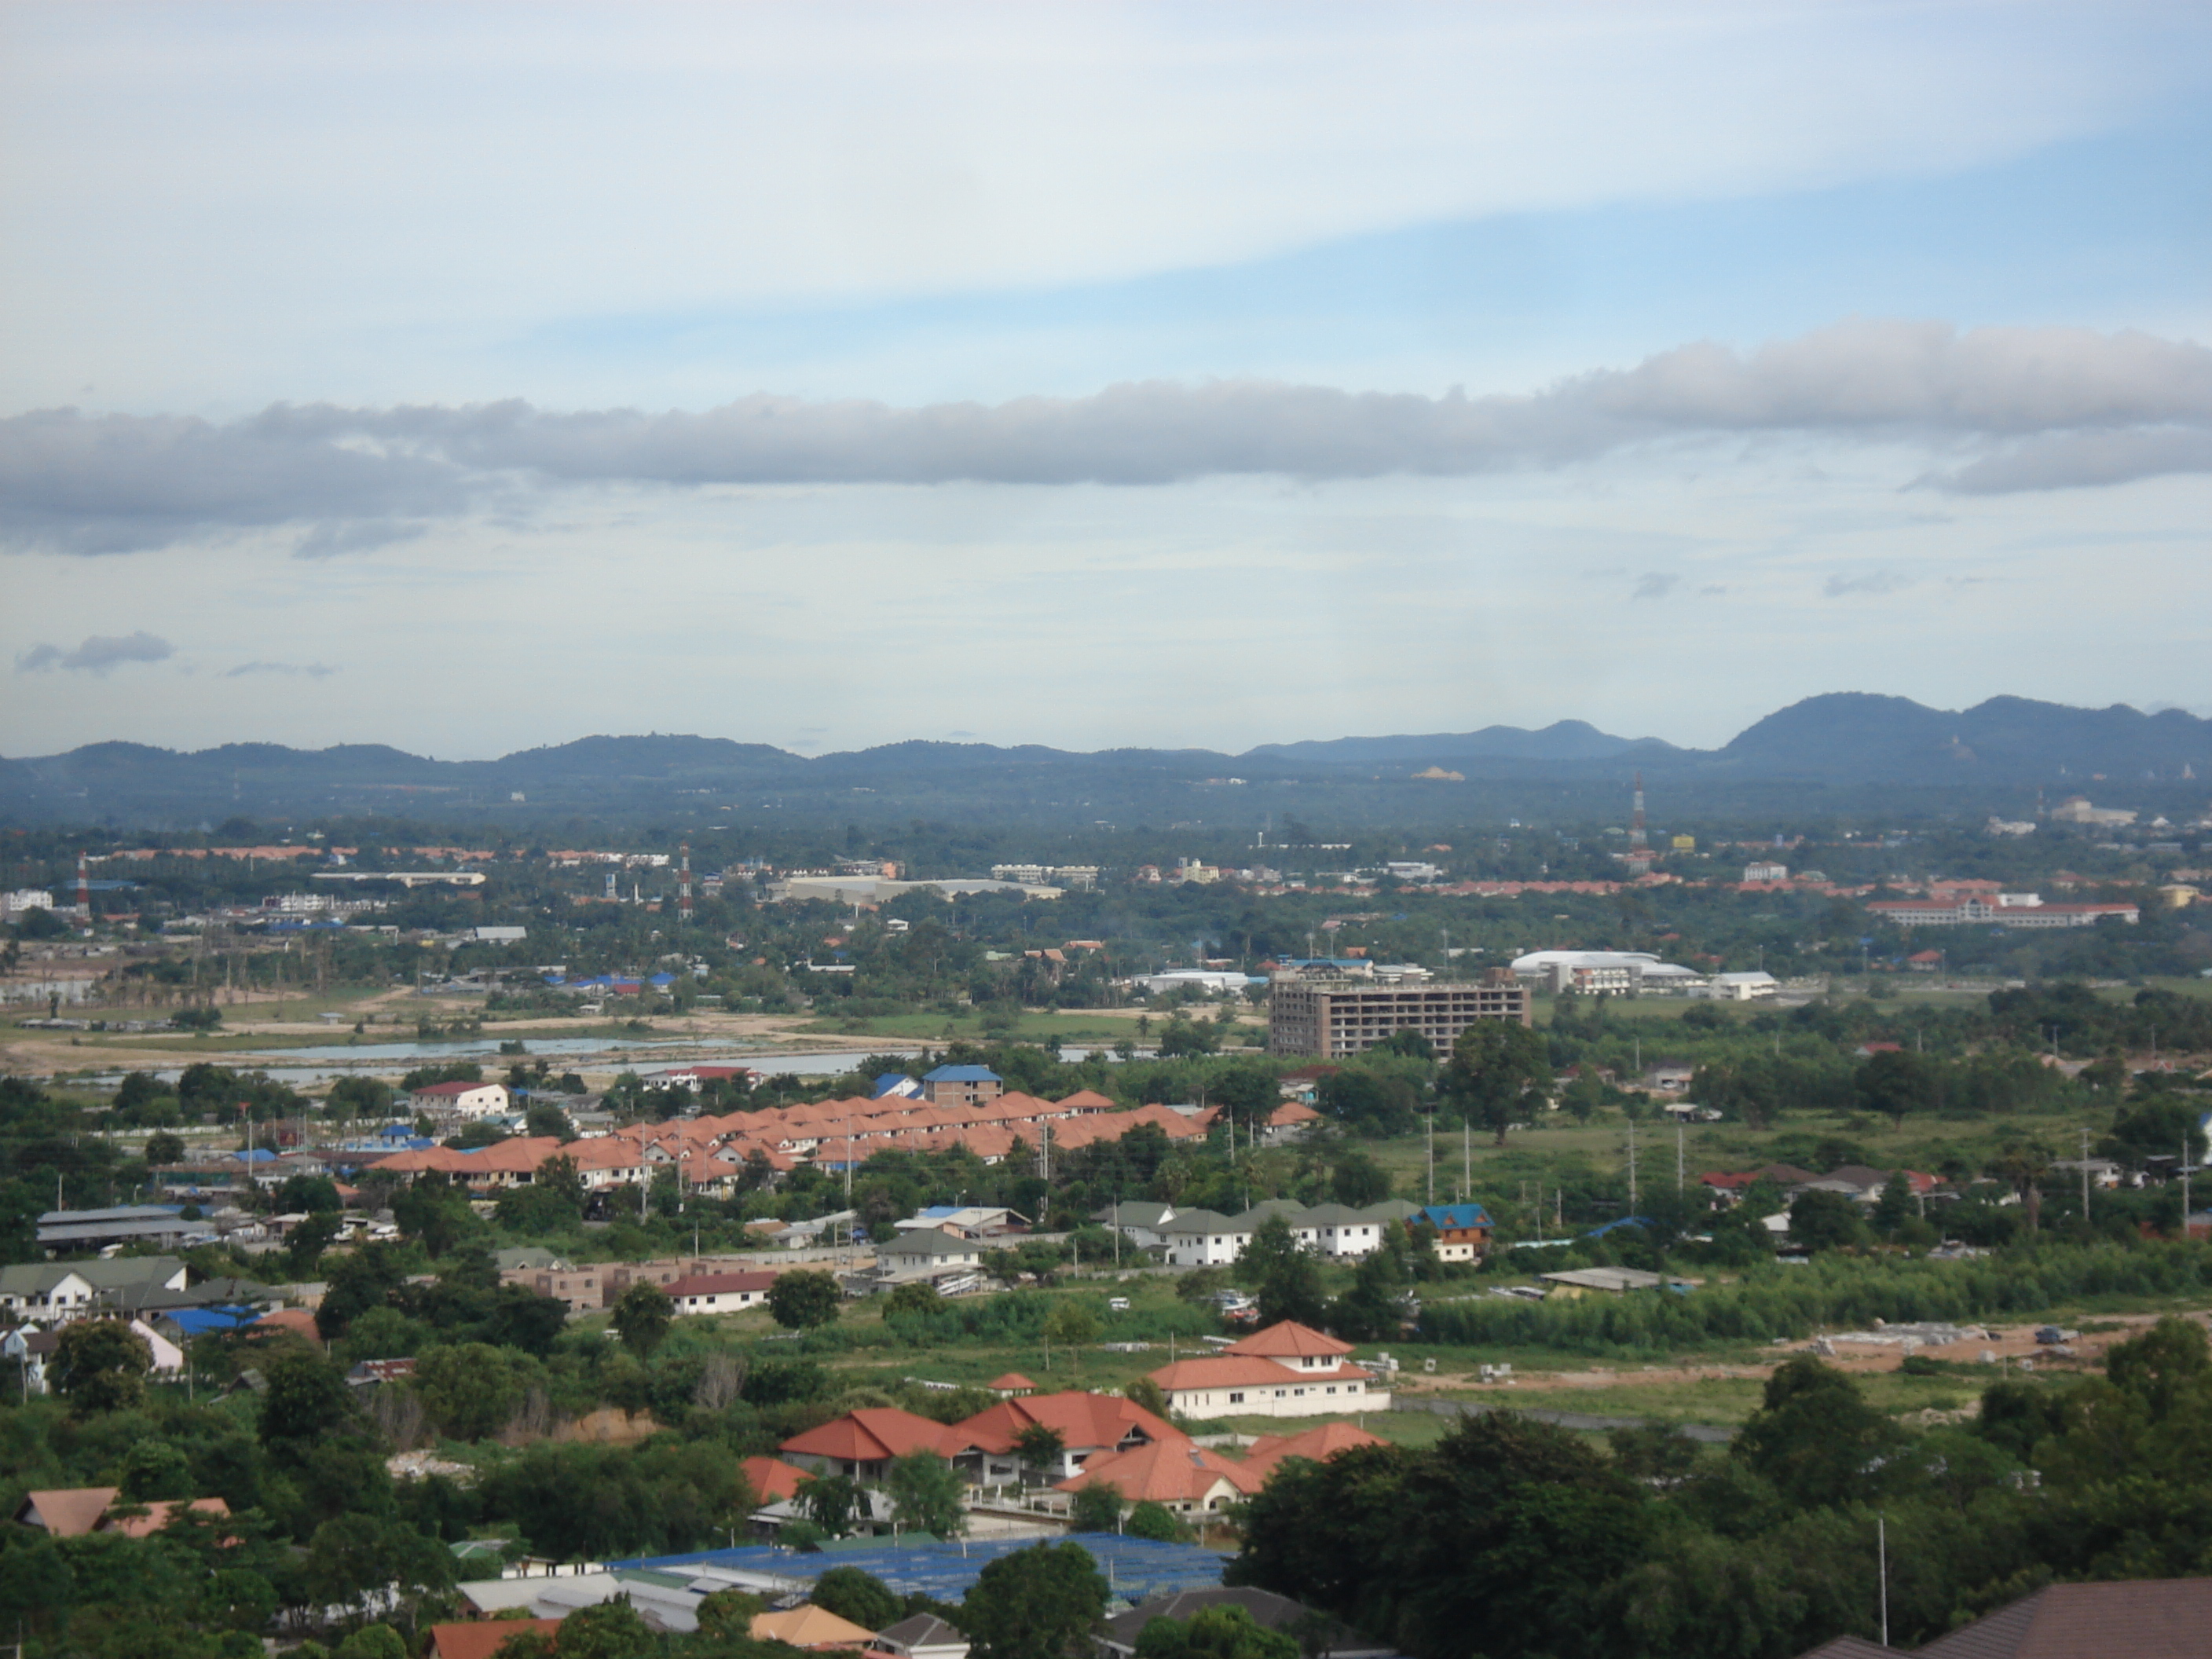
(1844, 741)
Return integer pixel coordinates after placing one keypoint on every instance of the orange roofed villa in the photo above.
(1289, 1369)
(1294, 1371)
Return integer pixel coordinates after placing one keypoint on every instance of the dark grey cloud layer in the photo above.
(97, 654)
(2032, 409)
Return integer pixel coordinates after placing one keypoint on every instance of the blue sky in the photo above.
(1650, 364)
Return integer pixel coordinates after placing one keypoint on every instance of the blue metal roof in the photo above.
(960, 1074)
(1136, 1567)
(1444, 1216)
(897, 1083)
(198, 1321)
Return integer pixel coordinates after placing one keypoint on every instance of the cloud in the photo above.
(2052, 408)
(96, 655)
(312, 669)
(1872, 582)
(1656, 585)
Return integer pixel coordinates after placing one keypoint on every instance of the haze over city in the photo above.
(468, 380)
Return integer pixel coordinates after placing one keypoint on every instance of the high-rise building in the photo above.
(1335, 1017)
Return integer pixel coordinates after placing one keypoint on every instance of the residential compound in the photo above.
(1334, 1016)
(1285, 1371)
(722, 1156)
(1207, 1239)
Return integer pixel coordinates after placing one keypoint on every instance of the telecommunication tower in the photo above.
(1636, 839)
(684, 883)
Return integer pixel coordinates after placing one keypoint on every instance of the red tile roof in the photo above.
(772, 1478)
(158, 1514)
(67, 1511)
(721, 1283)
(1225, 1371)
(873, 1434)
(1162, 1474)
(480, 1638)
(1287, 1339)
(2139, 1618)
(1083, 1419)
(1320, 1443)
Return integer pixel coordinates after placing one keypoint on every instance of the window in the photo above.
(1235, 1399)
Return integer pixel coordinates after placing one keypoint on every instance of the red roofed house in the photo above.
(864, 1443)
(158, 1514)
(1319, 1444)
(706, 1293)
(69, 1512)
(1088, 1424)
(1185, 1478)
(772, 1478)
(480, 1638)
(1012, 1383)
(1289, 1369)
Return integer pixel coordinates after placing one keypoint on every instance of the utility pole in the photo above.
(1432, 1155)
(1881, 1548)
(1632, 1166)
(1677, 1159)
(1465, 1156)
(2084, 1174)
(2186, 1137)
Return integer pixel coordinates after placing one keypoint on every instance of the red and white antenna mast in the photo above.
(83, 887)
(1636, 841)
(684, 883)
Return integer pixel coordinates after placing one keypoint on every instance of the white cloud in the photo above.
(364, 478)
(95, 655)
(314, 671)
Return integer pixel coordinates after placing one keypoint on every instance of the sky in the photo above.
(470, 378)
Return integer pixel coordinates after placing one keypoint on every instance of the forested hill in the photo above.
(1850, 741)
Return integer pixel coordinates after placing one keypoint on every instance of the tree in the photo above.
(860, 1596)
(830, 1502)
(306, 1399)
(304, 1249)
(1373, 1309)
(543, 1118)
(728, 1614)
(1894, 1207)
(1895, 1082)
(1072, 1325)
(1499, 1070)
(1154, 1520)
(359, 1098)
(100, 1364)
(371, 1641)
(925, 1493)
(432, 1209)
(1040, 1447)
(612, 1630)
(307, 1193)
(642, 1314)
(355, 1558)
(1357, 1180)
(471, 1389)
(1284, 1274)
(1097, 1508)
(1815, 1436)
(916, 1296)
(162, 1147)
(1143, 1392)
(1825, 1221)
(1042, 1602)
(804, 1300)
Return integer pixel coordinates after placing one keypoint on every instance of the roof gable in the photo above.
(1287, 1339)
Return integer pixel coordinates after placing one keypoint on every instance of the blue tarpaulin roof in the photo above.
(1137, 1567)
(198, 1321)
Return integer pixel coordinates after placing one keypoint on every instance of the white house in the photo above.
(1203, 1238)
(463, 1099)
(1289, 1369)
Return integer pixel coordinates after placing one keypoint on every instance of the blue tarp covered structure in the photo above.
(1136, 1567)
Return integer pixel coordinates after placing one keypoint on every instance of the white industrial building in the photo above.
(1624, 973)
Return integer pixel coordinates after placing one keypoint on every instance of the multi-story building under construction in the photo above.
(1335, 1017)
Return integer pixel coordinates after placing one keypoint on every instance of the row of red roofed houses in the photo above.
(1288, 1370)
(711, 1155)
